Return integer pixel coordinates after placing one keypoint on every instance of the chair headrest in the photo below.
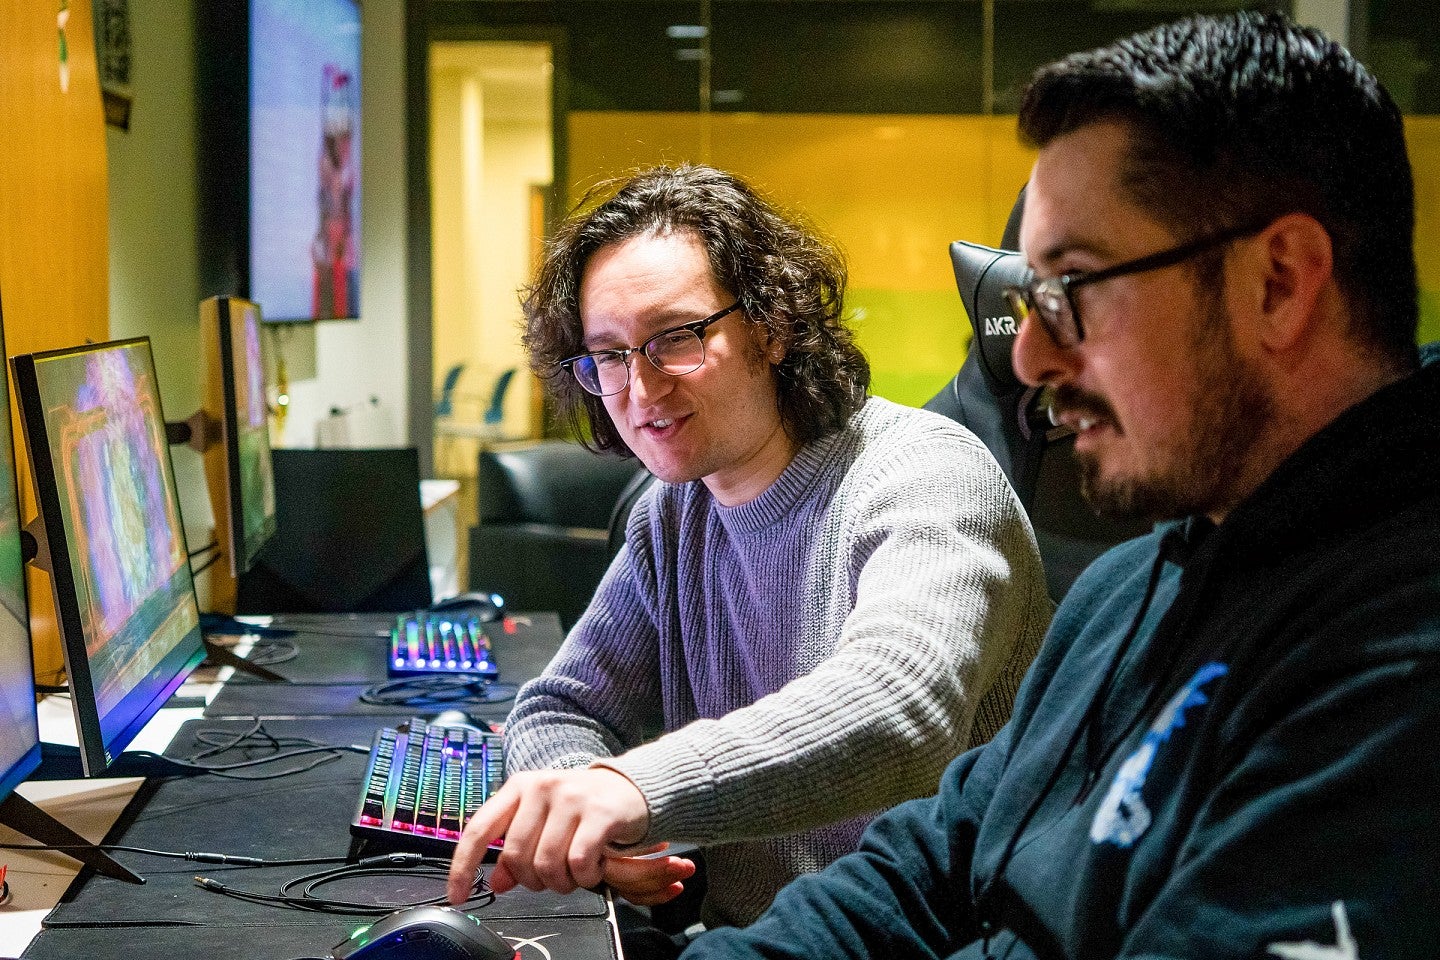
(983, 273)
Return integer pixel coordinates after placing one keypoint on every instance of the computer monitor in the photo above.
(238, 467)
(112, 539)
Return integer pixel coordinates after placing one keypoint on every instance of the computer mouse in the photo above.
(425, 933)
(482, 606)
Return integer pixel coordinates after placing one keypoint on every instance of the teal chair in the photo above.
(495, 412)
(452, 425)
(445, 403)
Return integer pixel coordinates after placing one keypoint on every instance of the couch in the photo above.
(542, 540)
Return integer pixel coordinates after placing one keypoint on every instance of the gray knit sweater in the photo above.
(771, 673)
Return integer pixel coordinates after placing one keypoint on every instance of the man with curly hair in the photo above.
(826, 598)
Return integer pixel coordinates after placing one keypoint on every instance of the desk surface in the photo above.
(304, 815)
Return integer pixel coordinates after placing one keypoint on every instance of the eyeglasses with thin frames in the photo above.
(1051, 300)
(675, 351)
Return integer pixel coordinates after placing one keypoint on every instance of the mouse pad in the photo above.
(567, 939)
(306, 814)
(330, 672)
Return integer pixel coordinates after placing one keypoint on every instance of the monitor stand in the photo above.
(22, 816)
(60, 761)
(219, 623)
(225, 657)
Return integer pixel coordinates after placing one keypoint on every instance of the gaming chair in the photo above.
(1012, 419)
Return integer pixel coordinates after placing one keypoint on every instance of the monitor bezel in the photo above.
(138, 706)
(240, 542)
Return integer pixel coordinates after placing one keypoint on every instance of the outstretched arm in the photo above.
(904, 893)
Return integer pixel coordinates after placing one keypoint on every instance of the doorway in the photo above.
(491, 167)
(491, 163)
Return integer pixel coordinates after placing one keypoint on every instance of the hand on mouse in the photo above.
(648, 880)
(557, 826)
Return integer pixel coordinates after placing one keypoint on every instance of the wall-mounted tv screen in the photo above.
(279, 155)
(305, 158)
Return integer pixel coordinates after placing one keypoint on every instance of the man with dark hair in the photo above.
(1226, 747)
(826, 600)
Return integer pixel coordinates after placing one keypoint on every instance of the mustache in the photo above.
(1068, 398)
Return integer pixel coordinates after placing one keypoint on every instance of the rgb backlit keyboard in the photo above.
(424, 782)
(436, 643)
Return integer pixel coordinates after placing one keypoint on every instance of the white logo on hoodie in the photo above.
(1345, 947)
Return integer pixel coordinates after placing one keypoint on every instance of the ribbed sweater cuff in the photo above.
(658, 769)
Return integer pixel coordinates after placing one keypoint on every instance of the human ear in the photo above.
(1295, 269)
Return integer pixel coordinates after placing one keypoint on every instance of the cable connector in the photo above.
(209, 884)
(224, 858)
(394, 860)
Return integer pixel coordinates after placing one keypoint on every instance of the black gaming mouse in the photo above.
(425, 933)
(481, 606)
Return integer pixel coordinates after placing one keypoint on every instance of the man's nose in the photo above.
(1037, 358)
(646, 382)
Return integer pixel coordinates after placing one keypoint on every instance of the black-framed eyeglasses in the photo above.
(1051, 300)
(677, 351)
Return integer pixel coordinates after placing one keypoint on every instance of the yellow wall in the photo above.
(489, 156)
(894, 191)
(53, 213)
(1423, 137)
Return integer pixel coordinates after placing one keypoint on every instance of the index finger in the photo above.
(489, 823)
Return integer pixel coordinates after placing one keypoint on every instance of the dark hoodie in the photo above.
(1228, 747)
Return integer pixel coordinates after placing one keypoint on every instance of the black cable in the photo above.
(321, 631)
(222, 859)
(58, 677)
(240, 680)
(194, 571)
(387, 865)
(212, 545)
(223, 769)
(264, 652)
(267, 653)
(220, 741)
(438, 690)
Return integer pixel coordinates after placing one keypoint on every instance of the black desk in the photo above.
(303, 815)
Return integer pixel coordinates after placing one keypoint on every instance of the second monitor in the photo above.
(237, 467)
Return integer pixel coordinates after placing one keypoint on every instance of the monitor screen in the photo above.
(237, 397)
(20, 744)
(124, 598)
(305, 158)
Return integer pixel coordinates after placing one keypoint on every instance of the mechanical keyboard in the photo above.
(424, 782)
(428, 642)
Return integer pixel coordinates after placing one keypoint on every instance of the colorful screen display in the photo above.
(252, 432)
(106, 480)
(305, 158)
